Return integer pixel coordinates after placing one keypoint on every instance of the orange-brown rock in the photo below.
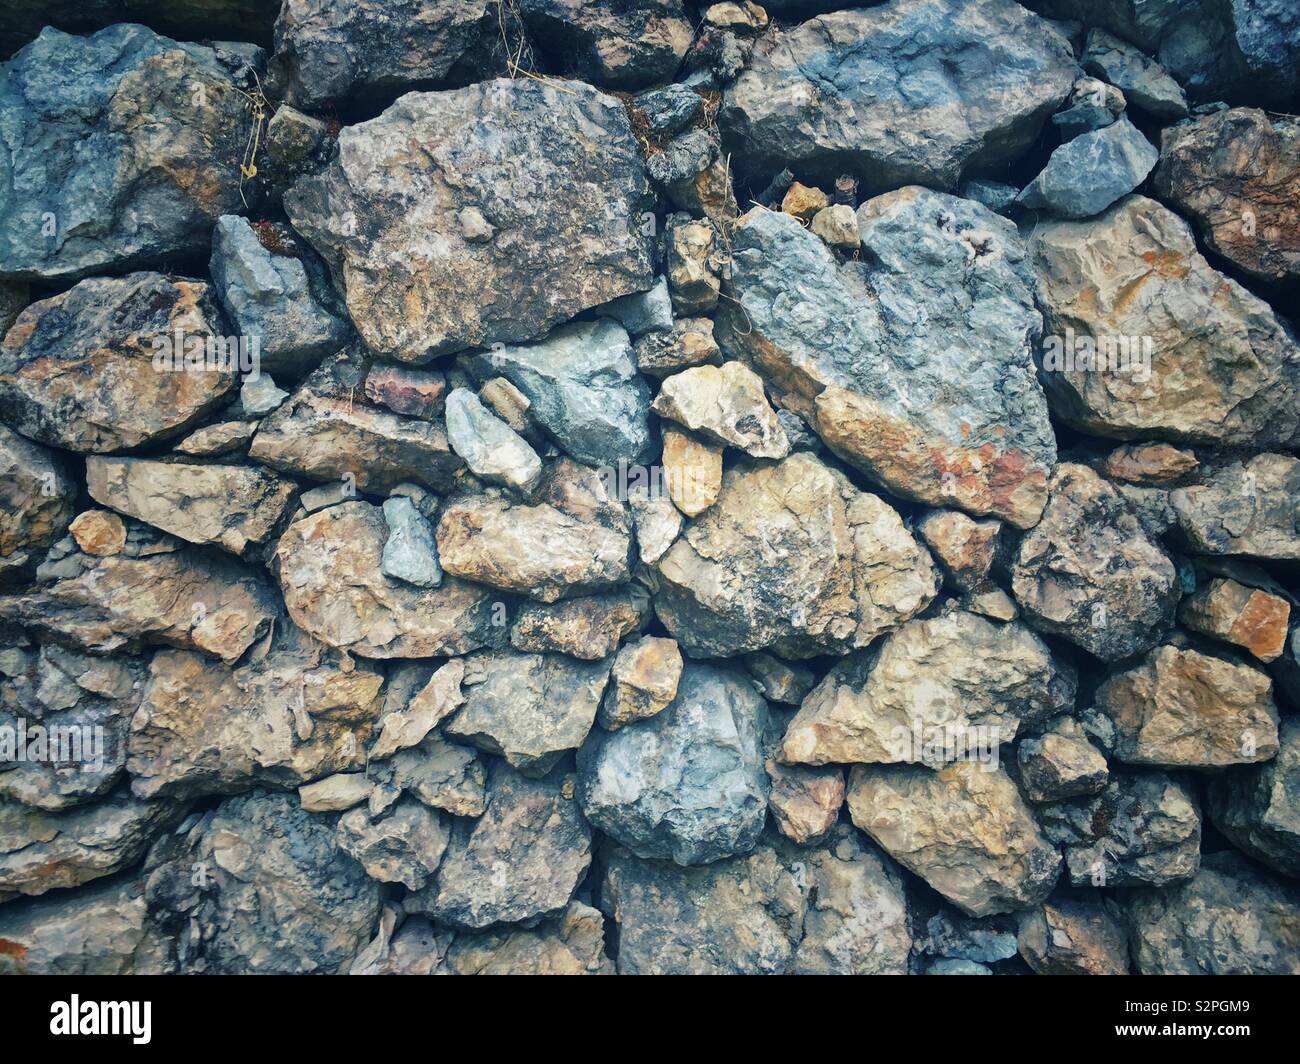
(1245, 616)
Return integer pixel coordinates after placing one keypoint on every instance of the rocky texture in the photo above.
(493, 450)
(1087, 174)
(793, 558)
(640, 787)
(1060, 763)
(38, 497)
(1242, 506)
(91, 369)
(1188, 709)
(964, 830)
(858, 90)
(692, 470)
(1144, 82)
(688, 343)
(588, 628)
(524, 158)
(410, 552)
(1244, 616)
(1149, 338)
(1258, 808)
(403, 847)
(838, 909)
(642, 682)
(410, 715)
(1149, 464)
(124, 160)
(1110, 590)
(805, 802)
(572, 944)
(328, 565)
(965, 549)
(1233, 173)
(955, 674)
(725, 405)
(616, 46)
(880, 376)
(1073, 936)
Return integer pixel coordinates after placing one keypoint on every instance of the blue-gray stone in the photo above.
(1086, 175)
(410, 552)
(642, 312)
(1144, 82)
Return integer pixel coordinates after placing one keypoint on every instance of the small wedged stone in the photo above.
(642, 682)
(335, 793)
(779, 681)
(1060, 763)
(1089, 573)
(657, 521)
(726, 405)
(571, 944)
(794, 559)
(494, 452)
(964, 830)
(965, 549)
(1086, 175)
(1073, 936)
(410, 552)
(1149, 464)
(1258, 808)
(1143, 81)
(692, 470)
(588, 628)
(404, 846)
(616, 46)
(688, 343)
(440, 774)
(329, 568)
(1247, 617)
(37, 499)
(805, 802)
(407, 722)
(640, 784)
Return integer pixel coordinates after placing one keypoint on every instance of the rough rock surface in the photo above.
(494, 452)
(1143, 81)
(588, 628)
(1247, 617)
(642, 682)
(805, 802)
(37, 496)
(1086, 175)
(1060, 763)
(1242, 506)
(404, 846)
(616, 46)
(1258, 808)
(724, 404)
(1073, 936)
(521, 156)
(572, 944)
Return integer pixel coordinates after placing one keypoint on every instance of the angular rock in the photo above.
(410, 552)
(779, 681)
(573, 944)
(328, 564)
(644, 784)
(1086, 175)
(260, 885)
(642, 312)
(669, 110)
(528, 708)
(802, 202)
(213, 441)
(37, 499)
(1144, 337)
(692, 470)
(1242, 506)
(1144, 82)
(881, 377)
(858, 90)
(694, 263)
(1089, 573)
(1073, 936)
(407, 390)
(616, 46)
(1060, 763)
(234, 507)
(493, 450)
(725, 405)
(585, 628)
(583, 389)
(1258, 808)
(965, 549)
(794, 559)
(643, 682)
(442, 775)
(577, 538)
(838, 227)
(91, 369)
(335, 793)
(805, 802)
(123, 160)
(964, 830)
(930, 692)
(1244, 616)
(658, 523)
(523, 858)
(1150, 464)
(1093, 105)
(533, 161)
(688, 343)
(259, 396)
(404, 847)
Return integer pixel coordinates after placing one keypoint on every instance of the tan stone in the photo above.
(99, 532)
(1235, 613)
(335, 793)
(804, 202)
(693, 470)
(726, 405)
(643, 681)
(965, 548)
(1149, 463)
(805, 802)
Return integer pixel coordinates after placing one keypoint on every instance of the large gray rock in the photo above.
(257, 885)
(89, 369)
(523, 858)
(1258, 808)
(838, 909)
(1145, 338)
(584, 390)
(965, 830)
(328, 50)
(910, 92)
(794, 558)
(1242, 506)
(1086, 175)
(521, 209)
(614, 45)
(1232, 919)
(1090, 574)
(913, 364)
(120, 150)
(687, 784)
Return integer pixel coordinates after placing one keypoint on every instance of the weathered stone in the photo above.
(1145, 827)
(726, 405)
(1258, 808)
(508, 403)
(1089, 573)
(794, 559)
(123, 160)
(327, 432)
(994, 603)
(658, 522)
(867, 353)
(554, 168)
(403, 847)
(838, 909)
(223, 438)
(669, 110)
(1242, 506)
(408, 724)
(802, 202)
(1186, 709)
(965, 549)
(335, 793)
(37, 499)
(98, 931)
(1244, 616)
(1093, 105)
(694, 262)
(643, 681)
(328, 50)
(1060, 763)
(586, 628)
(617, 46)
(583, 390)
(235, 507)
(328, 565)
(650, 311)
(964, 830)
(294, 715)
(151, 593)
(258, 396)
(1144, 337)
(643, 787)
(805, 802)
(1232, 919)
(838, 227)
(523, 858)
(1086, 175)
(1149, 464)
(573, 944)
(577, 538)
(410, 552)
(857, 90)
(528, 708)
(89, 369)
(994, 195)
(41, 851)
(1073, 936)
(442, 775)
(688, 343)
(929, 691)
(260, 885)
(1144, 82)
(956, 937)
(692, 470)
(779, 681)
